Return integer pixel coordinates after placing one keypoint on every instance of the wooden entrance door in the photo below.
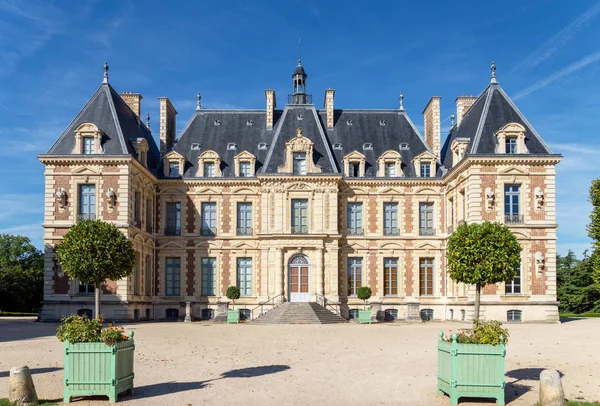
(299, 277)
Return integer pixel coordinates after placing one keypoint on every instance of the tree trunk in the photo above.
(477, 302)
(97, 300)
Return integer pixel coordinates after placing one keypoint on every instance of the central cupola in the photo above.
(299, 77)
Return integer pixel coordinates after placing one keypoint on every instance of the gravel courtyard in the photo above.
(387, 364)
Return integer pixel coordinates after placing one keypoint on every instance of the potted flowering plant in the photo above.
(471, 363)
(364, 315)
(98, 361)
(233, 316)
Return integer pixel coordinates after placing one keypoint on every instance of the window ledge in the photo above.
(514, 296)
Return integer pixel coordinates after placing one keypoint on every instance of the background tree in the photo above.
(577, 292)
(481, 254)
(21, 274)
(94, 251)
(594, 229)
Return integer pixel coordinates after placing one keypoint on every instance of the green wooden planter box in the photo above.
(233, 316)
(470, 370)
(364, 316)
(98, 369)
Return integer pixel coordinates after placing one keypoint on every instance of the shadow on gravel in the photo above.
(34, 371)
(164, 388)
(570, 319)
(17, 329)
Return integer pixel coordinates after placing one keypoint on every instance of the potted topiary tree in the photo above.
(471, 363)
(233, 316)
(364, 293)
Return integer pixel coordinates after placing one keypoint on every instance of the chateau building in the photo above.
(302, 205)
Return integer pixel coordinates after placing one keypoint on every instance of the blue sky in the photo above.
(51, 57)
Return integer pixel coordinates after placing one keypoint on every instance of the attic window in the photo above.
(404, 145)
(337, 145)
(195, 146)
(262, 145)
(367, 145)
(382, 122)
(249, 122)
(349, 122)
(217, 122)
(299, 117)
(231, 146)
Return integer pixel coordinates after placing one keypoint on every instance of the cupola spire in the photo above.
(493, 68)
(198, 102)
(105, 80)
(299, 78)
(401, 97)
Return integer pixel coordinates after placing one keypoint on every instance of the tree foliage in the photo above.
(594, 229)
(481, 254)
(364, 293)
(94, 251)
(577, 292)
(21, 274)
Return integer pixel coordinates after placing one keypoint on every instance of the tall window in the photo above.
(514, 287)
(390, 219)
(86, 289)
(511, 204)
(354, 275)
(300, 216)
(354, 169)
(426, 276)
(390, 169)
(390, 276)
(355, 222)
(451, 212)
(244, 219)
(173, 169)
(511, 145)
(87, 202)
(173, 226)
(136, 274)
(147, 278)
(149, 216)
(137, 208)
(426, 219)
(88, 145)
(208, 280)
(209, 169)
(463, 201)
(244, 276)
(209, 219)
(425, 170)
(299, 164)
(173, 275)
(245, 169)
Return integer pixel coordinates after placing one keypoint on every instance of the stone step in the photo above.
(299, 313)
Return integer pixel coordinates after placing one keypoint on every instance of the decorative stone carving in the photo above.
(61, 198)
(539, 198)
(490, 198)
(539, 262)
(111, 198)
(299, 144)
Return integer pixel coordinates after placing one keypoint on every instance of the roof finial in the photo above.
(198, 102)
(401, 97)
(148, 120)
(298, 50)
(451, 120)
(105, 80)
(493, 68)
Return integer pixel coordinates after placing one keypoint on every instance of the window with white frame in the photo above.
(173, 224)
(244, 218)
(354, 275)
(390, 218)
(390, 276)
(426, 276)
(426, 314)
(299, 164)
(86, 288)
(511, 204)
(147, 277)
(87, 202)
(88, 145)
(355, 218)
(244, 276)
(425, 170)
(209, 169)
(514, 316)
(390, 169)
(511, 145)
(173, 169)
(514, 287)
(299, 216)
(353, 169)
(245, 171)
(426, 219)
(208, 275)
(209, 219)
(173, 276)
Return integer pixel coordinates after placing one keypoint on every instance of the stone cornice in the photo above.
(96, 159)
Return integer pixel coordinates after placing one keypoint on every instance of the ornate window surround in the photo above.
(243, 156)
(175, 157)
(299, 144)
(511, 130)
(88, 130)
(389, 156)
(424, 158)
(141, 148)
(206, 157)
(458, 148)
(354, 157)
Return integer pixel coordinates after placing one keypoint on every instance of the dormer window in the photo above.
(424, 165)
(511, 139)
(88, 145)
(209, 169)
(367, 146)
(425, 170)
(249, 122)
(262, 146)
(354, 164)
(382, 122)
(458, 147)
(173, 169)
(337, 146)
(88, 139)
(349, 122)
(390, 169)
(511, 145)
(195, 146)
(217, 122)
(299, 163)
(209, 165)
(244, 164)
(231, 146)
(244, 169)
(390, 164)
(299, 117)
(404, 146)
(353, 169)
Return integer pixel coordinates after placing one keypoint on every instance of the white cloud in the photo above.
(14, 206)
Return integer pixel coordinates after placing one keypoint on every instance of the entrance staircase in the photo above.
(299, 313)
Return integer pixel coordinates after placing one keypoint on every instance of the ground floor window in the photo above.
(172, 314)
(451, 314)
(427, 314)
(209, 278)
(207, 314)
(86, 312)
(245, 314)
(244, 276)
(514, 316)
(354, 275)
(463, 315)
(426, 276)
(390, 276)
(353, 314)
(173, 276)
(136, 314)
(86, 288)
(391, 315)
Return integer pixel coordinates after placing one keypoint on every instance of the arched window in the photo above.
(391, 315)
(514, 316)
(427, 314)
(299, 260)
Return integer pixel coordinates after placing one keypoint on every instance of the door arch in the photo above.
(299, 278)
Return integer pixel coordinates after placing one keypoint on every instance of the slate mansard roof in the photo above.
(382, 130)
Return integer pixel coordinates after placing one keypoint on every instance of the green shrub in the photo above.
(233, 293)
(484, 332)
(81, 329)
(364, 293)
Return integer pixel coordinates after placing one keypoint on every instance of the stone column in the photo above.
(279, 271)
(188, 312)
(319, 271)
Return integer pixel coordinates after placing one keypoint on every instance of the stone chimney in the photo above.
(463, 104)
(328, 104)
(431, 116)
(271, 104)
(133, 100)
(167, 124)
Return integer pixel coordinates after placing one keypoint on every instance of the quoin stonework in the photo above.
(302, 204)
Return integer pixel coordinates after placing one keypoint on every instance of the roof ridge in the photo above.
(324, 139)
(482, 118)
(111, 105)
(188, 124)
(274, 140)
(403, 113)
